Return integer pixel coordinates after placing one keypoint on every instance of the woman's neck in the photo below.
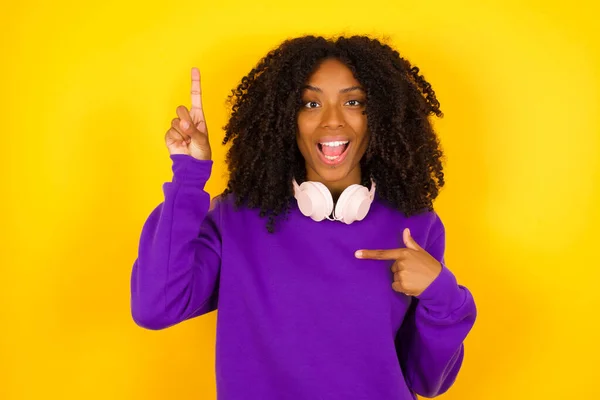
(337, 187)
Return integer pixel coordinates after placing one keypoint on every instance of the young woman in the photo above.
(324, 255)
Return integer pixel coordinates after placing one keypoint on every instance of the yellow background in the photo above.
(88, 91)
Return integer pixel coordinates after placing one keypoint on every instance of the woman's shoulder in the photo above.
(226, 204)
(430, 218)
(222, 201)
(426, 224)
(425, 217)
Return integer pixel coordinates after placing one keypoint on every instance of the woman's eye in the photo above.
(354, 102)
(311, 104)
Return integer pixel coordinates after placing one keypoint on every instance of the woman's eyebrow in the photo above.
(346, 90)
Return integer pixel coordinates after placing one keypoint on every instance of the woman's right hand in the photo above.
(188, 133)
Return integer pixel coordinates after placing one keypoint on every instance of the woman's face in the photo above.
(332, 129)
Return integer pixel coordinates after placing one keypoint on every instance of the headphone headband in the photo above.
(315, 201)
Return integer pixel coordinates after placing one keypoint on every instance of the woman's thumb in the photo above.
(409, 241)
(190, 130)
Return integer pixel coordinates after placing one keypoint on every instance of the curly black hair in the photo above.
(403, 157)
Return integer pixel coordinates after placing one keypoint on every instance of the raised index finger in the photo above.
(196, 111)
(391, 254)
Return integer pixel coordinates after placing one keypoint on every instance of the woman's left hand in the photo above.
(414, 268)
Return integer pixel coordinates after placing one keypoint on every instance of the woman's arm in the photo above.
(430, 341)
(175, 276)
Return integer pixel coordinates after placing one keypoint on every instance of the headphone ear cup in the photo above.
(314, 200)
(353, 204)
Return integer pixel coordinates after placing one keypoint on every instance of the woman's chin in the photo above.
(334, 174)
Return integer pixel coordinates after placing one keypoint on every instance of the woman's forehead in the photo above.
(332, 73)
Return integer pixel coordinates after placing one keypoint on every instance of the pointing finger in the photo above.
(196, 91)
(196, 111)
(391, 254)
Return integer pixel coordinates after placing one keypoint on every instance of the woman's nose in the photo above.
(333, 117)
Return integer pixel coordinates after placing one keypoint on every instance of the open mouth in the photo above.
(333, 152)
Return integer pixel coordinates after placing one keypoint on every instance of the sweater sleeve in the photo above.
(176, 274)
(430, 340)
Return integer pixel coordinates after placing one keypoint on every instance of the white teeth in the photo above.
(332, 158)
(334, 144)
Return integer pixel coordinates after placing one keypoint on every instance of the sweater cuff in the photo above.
(187, 169)
(443, 296)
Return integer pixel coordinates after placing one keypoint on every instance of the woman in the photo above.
(324, 255)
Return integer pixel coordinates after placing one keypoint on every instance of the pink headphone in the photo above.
(315, 201)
